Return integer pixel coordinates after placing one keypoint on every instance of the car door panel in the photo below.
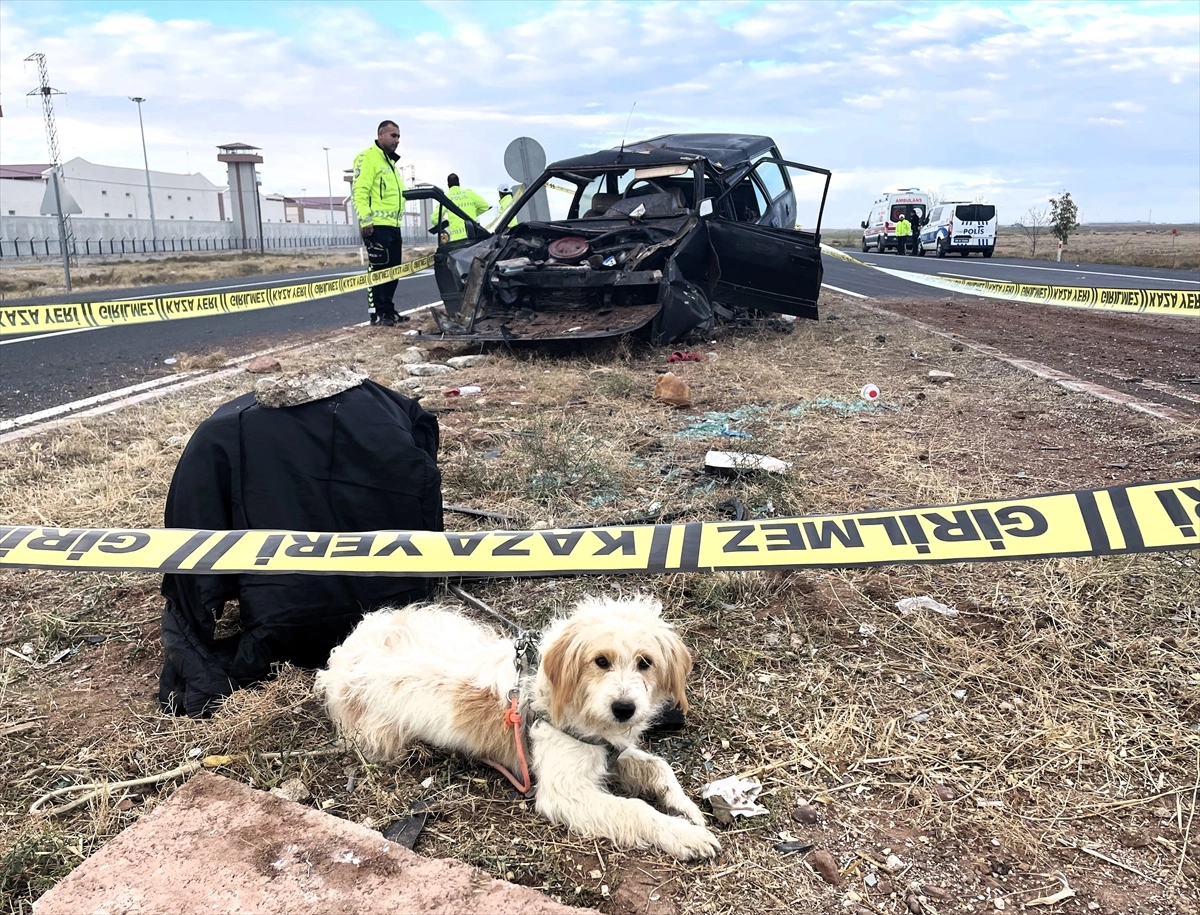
(777, 270)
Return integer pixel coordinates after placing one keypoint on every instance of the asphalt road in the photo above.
(42, 371)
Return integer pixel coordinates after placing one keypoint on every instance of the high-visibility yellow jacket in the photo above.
(903, 228)
(505, 200)
(378, 189)
(467, 201)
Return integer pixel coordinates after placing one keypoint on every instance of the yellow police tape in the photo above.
(1132, 518)
(1152, 301)
(25, 319)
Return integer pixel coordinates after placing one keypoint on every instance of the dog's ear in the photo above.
(677, 664)
(560, 664)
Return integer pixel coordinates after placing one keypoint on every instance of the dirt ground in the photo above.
(1039, 751)
(1154, 358)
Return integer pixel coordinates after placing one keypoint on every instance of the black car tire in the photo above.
(964, 252)
(987, 252)
(941, 247)
(920, 249)
(864, 243)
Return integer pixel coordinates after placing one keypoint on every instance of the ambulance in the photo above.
(879, 228)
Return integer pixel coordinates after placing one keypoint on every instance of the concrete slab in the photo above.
(217, 846)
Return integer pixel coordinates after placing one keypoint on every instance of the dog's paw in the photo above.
(689, 843)
(686, 809)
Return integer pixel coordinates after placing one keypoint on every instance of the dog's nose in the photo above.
(623, 711)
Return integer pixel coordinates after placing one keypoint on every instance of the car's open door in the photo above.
(768, 245)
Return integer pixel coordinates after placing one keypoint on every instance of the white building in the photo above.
(113, 192)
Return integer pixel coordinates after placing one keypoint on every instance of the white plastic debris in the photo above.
(741, 460)
(734, 797)
(924, 602)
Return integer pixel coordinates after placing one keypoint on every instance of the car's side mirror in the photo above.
(862, 225)
(706, 207)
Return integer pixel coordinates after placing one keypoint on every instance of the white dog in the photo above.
(426, 673)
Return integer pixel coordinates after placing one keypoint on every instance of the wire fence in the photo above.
(35, 247)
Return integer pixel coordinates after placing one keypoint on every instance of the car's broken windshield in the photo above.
(619, 192)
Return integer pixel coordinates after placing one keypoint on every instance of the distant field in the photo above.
(1133, 245)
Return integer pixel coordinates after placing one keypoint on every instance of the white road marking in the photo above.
(857, 295)
(111, 401)
(1077, 271)
(80, 330)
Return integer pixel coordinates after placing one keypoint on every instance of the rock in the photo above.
(174, 440)
(264, 364)
(425, 369)
(934, 892)
(409, 386)
(1133, 838)
(806, 813)
(290, 390)
(939, 377)
(824, 864)
(126, 804)
(944, 793)
(466, 362)
(413, 355)
(913, 904)
(292, 790)
(670, 388)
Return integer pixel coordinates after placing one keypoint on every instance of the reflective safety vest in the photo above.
(378, 189)
(903, 228)
(467, 201)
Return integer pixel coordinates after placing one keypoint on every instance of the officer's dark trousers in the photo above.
(383, 250)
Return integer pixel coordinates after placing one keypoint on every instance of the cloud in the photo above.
(1013, 99)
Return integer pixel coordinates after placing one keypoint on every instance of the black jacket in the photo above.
(362, 460)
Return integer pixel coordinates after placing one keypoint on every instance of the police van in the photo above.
(879, 228)
(960, 227)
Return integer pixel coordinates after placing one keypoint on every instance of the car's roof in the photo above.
(723, 150)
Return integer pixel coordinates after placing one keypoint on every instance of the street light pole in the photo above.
(329, 183)
(149, 193)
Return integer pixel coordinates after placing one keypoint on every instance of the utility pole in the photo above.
(65, 239)
(146, 160)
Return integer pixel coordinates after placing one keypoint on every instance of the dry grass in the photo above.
(47, 279)
(1124, 245)
(1059, 711)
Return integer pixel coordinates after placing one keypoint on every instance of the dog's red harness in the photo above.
(512, 718)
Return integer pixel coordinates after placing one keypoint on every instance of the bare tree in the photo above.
(936, 197)
(1033, 225)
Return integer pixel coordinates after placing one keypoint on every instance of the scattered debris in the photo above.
(670, 388)
(1065, 893)
(825, 865)
(264, 364)
(939, 377)
(794, 847)
(292, 790)
(170, 361)
(406, 830)
(425, 369)
(732, 797)
(290, 390)
(806, 813)
(738, 461)
(462, 391)
(944, 793)
(466, 362)
(687, 356)
(908, 604)
(869, 392)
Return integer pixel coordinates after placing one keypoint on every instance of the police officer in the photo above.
(467, 201)
(903, 233)
(379, 200)
(506, 196)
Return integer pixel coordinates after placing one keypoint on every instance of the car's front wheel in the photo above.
(864, 243)
(941, 247)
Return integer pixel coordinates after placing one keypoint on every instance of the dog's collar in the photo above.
(613, 750)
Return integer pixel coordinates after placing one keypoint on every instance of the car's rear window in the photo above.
(975, 212)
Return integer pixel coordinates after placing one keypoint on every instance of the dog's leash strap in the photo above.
(512, 717)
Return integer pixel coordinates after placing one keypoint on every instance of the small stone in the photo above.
(126, 804)
(264, 364)
(292, 790)
(824, 864)
(893, 864)
(595, 875)
(944, 793)
(939, 377)
(806, 813)
(174, 440)
(1133, 838)
(425, 369)
(413, 355)
(466, 362)
(913, 904)
(934, 892)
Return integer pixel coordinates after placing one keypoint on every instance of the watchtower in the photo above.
(246, 208)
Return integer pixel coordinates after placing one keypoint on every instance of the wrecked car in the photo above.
(667, 233)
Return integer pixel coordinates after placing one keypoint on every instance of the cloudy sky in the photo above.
(1011, 102)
